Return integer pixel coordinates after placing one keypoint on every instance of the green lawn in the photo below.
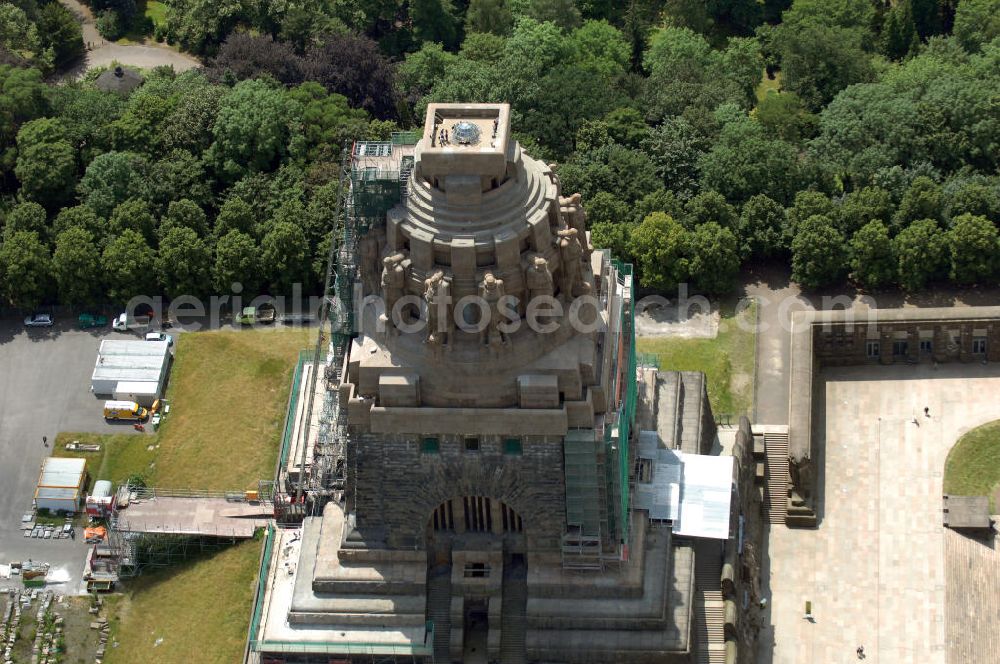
(148, 15)
(727, 360)
(156, 12)
(973, 465)
(767, 86)
(201, 610)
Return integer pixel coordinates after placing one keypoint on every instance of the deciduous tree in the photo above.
(25, 269)
(27, 216)
(660, 246)
(921, 254)
(234, 215)
(974, 246)
(184, 213)
(873, 264)
(183, 263)
(111, 179)
(237, 260)
(285, 254)
(133, 214)
(46, 162)
(80, 216)
(129, 265)
(489, 16)
(714, 258)
(762, 228)
(353, 66)
(977, 22)
(253, 129)
(818, 250)
(76, 267)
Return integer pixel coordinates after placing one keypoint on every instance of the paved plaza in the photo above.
(874, 570)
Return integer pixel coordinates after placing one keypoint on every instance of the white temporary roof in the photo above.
(60, 478)
(147, 387)
(692, 491)
(57, 471)
(102, 489)
(126, 360)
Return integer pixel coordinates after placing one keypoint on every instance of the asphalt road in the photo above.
(44, 389)
(777, 300)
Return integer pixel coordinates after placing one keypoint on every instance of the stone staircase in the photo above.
(776, 448)
(439, 609)
(512, 616)
(709, 608)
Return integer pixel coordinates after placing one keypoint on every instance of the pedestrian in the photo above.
(927, 411)
(861, 652)
(45, 441)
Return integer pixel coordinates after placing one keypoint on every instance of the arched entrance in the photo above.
(475, 551)
(475, 514)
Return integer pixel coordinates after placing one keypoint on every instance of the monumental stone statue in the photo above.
(575, 216)
(393, 282)
(491, 290)
(538, 279)
(571, 255)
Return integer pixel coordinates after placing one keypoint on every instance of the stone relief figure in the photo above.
(538, 279)
(553, 177)
(393, 283)
(491, 290)
(437, 295)
(575, 216)
(800, 471)
(571, 255)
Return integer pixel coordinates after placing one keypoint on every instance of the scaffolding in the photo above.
(132, 547)
(582, 544)
(598, 461)
(374, 178)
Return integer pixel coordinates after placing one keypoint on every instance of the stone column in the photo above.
(885, 346)
(496, 514)
(912, 343)
(459, 504)
(941, 343)
(993, 343)
(965, 343)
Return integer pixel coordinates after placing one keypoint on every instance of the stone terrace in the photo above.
(874, 569)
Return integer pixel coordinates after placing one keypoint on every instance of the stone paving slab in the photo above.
(874, 570)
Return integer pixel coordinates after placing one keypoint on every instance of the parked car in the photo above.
(91, 320)
(252, 315)
(38, 320)
(160, 336)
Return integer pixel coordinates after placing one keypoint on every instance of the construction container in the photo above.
(60, 484)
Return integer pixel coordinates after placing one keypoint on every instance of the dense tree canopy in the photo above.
(871, 152)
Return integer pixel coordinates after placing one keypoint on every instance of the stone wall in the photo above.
(887, 342)
(393, 486)
(741, 569)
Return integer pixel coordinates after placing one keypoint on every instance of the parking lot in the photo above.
(44, 389)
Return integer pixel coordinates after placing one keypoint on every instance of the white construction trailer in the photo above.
(60, 484)
(131, 370)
